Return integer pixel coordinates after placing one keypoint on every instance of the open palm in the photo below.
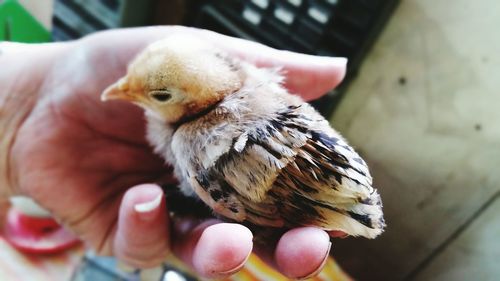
(87, 161)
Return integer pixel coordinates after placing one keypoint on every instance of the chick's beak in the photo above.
(118, 91)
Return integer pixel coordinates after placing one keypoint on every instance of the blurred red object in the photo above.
(36, 235)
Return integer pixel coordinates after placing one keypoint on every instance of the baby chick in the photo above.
(245, 146)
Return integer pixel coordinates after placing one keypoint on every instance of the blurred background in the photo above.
(420, 103)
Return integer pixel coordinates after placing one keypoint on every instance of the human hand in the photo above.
(87, 161)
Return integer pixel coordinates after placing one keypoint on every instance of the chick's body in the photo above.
(261, 155)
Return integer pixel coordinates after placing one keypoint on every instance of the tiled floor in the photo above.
(425, 113)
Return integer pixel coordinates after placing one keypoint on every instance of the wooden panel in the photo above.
(424, 113)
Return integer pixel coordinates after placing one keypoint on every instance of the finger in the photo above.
(337, 234)
(313, 80)
(307, 75)
(142, 239)
(302, 252)
(213, 249)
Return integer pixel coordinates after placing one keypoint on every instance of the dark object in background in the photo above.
(344, 28)
(76, 18)
(102, 268)
(182, 205)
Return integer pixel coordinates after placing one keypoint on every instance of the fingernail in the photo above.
(147, 210)
(230, 272)
(337, 61)
(320, 267)
(236, 269)
(342, 61)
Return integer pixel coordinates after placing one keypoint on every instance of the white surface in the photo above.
(474, 255)
(433, 142)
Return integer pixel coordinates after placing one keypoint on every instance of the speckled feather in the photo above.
(264, 156)
(241, 143)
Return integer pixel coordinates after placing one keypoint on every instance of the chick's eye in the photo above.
(161, 95)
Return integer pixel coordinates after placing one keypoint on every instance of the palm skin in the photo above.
(88, 151)
(79, 158)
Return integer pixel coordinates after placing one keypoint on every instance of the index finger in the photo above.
(306, 75)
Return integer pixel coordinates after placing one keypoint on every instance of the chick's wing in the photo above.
(287, 170)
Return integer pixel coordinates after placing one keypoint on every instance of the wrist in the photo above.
(24, 67)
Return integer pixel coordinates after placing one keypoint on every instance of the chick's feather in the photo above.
(264, 156)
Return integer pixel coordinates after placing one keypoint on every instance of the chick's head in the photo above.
(176, 78)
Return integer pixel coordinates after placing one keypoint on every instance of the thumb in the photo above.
(141, 238)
